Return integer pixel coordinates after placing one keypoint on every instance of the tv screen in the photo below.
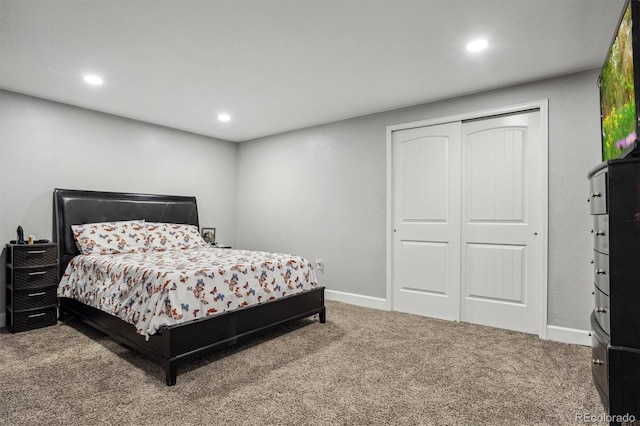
(617, 91)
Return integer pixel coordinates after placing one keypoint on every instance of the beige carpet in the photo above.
(363, 367)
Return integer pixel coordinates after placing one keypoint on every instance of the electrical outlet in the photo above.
(319, 264)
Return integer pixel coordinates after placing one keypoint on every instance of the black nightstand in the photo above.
(32, 280)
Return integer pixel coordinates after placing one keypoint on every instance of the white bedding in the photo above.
(152, 289)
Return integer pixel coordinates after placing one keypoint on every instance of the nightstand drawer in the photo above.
(34, 255)
(35, 298)
(35, 277)
(30, 320)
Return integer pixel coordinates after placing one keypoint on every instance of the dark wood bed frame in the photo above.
(177, 343)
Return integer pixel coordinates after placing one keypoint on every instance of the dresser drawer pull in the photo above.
(42, 293)
(596, 195)
(600, 234)
(36, 251)
(37, 315)
(601, 310)
(597, 362)
(37, 273)
(600, 272)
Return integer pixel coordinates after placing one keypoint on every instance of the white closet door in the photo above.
(502, 222)
(426, 180)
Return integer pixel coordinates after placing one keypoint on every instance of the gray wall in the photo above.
(317, 192)
(46, 145)
(320, 192)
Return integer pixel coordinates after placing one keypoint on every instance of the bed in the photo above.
(178, 341)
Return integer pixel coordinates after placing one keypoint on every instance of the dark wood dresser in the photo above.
(32, 280)
(615, 320)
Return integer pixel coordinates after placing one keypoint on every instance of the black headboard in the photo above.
(74, 207)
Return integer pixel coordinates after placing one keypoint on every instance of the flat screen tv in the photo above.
(618, 82)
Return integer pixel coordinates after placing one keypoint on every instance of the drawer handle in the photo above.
(42, 293)
(37, 273)
(36, 251)
(600, 234)
(600, 272)
(597, 362)
(601, 310)
(595, 195)
(37, 315)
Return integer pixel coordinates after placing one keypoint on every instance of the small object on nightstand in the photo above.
(32, 280)
(209, 235)
(20, 235)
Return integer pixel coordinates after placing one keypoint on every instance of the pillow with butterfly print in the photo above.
(172, 236)
(111, 237)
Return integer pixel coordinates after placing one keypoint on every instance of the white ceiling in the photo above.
(279, 65)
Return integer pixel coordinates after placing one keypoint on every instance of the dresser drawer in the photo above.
(30, 320)
(601, 233)
(602, 311)
(598, 195)
(35, 277)
(599, 364)
(33, 255)
(601, 271)
(35, 298)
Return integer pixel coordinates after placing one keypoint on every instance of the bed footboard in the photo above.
(180, 342)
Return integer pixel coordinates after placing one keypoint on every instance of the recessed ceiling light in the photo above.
(96, 80)
(224, 117)
(477, 45)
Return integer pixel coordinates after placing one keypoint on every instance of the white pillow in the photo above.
(171, 236)
(111, 237)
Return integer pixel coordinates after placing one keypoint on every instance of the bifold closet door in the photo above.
(502, 201)
(426, 181)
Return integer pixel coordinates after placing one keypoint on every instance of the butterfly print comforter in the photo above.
(155, 289)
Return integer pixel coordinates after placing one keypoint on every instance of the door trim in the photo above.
(541, 105)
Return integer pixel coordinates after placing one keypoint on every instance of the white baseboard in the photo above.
(568, 335)
(557, 334)
(357, 299)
